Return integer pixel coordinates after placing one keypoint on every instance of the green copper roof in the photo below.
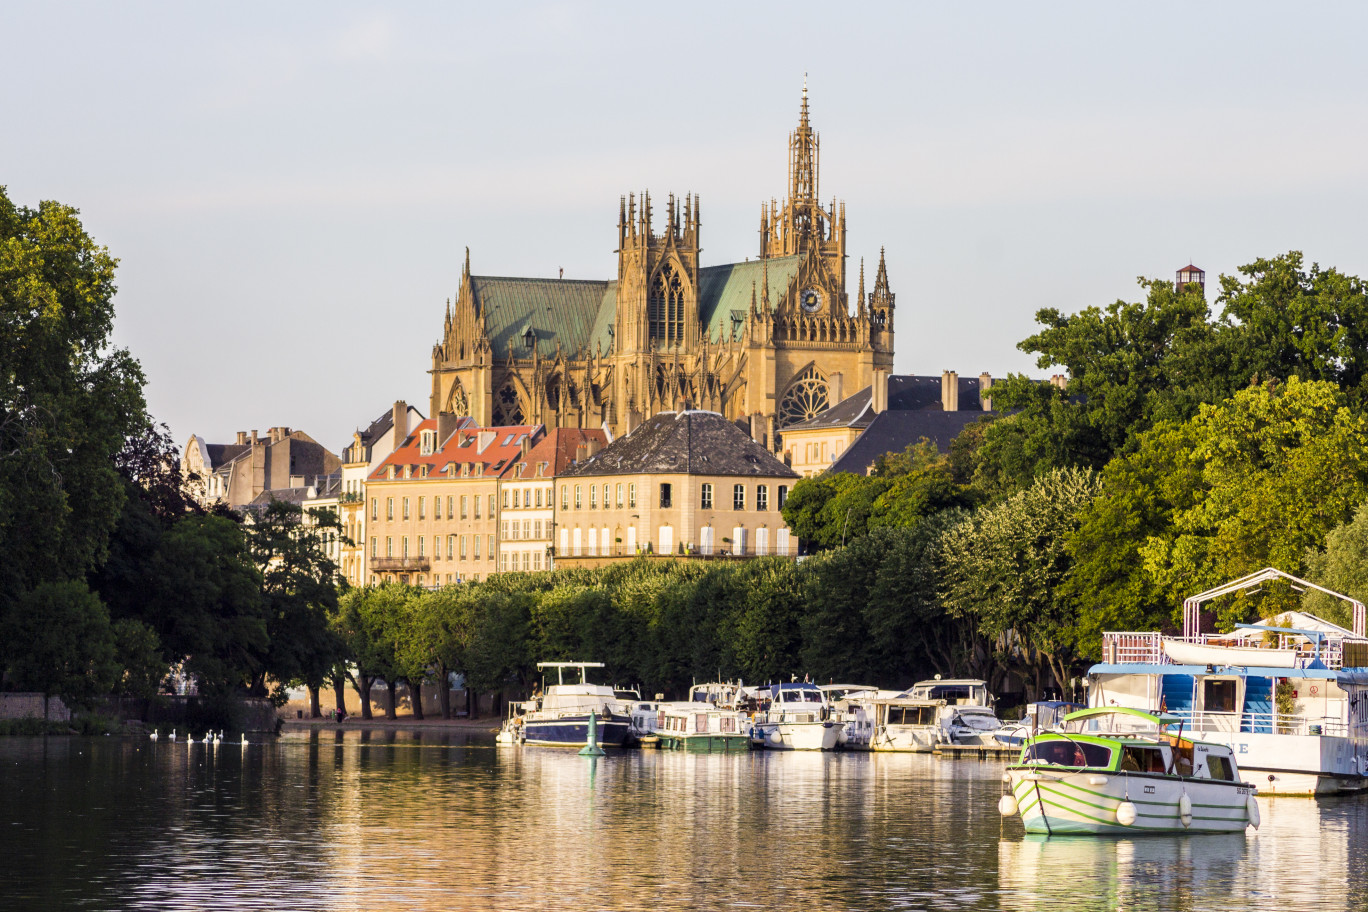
(725, 289)
(579, 314)
(560, 311)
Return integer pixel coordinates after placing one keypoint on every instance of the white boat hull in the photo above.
(1185, 653)
(1296, 765)
(1058, 802)
(916, 739)
(799, 735)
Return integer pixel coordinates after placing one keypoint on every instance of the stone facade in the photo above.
(687, 484)
(235, 474)
(765, 343)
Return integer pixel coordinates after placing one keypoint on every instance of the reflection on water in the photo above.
(446, 822)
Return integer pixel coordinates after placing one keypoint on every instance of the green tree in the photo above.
(1005, 564)
(59, 641)
(299, 590)
(1341, 566)
(67, 402)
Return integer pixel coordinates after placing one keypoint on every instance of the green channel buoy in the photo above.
(591, 747)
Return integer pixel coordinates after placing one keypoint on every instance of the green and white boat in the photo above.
(1112, 770)
(698, 726)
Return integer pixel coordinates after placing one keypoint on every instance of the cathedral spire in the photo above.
(859, 308)
(764, 286)
(803, 157)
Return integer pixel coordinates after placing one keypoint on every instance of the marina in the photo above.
(350, 820)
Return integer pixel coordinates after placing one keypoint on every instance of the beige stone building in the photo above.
(683, 484)
(767, 343)
(369, 448)
(885, 417)
(235, 474)
(527, 497)
(432, 506)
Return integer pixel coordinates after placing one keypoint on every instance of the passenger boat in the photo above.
(1120, 771)
(798, 718)
(1288, 695)
(967, 715)
(561, 715)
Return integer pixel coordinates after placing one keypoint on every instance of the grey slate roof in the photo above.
(684, 443)
(893, 432)
(906, 392)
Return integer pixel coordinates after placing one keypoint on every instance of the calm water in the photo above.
(442, 822)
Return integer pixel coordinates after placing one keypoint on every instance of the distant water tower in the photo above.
(1191, 275)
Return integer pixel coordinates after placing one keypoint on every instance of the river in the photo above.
(439, 821)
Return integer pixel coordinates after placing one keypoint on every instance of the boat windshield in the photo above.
(1063, 752)
(980, 721)
(800, 696)
(1114, 722)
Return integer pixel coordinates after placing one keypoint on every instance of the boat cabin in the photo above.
(958, 692)
(1129, 741)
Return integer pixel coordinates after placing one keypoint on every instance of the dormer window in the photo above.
(529, 338)
(389, 471)
(465, 470)
(427, 442)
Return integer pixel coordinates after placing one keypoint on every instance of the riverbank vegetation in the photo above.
(1189, 446)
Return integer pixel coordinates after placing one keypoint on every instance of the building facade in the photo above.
(235, 474)
(527, 497)
(893, 412)
(683, 484)
(432, 506)
(766, 343)
(360, 458)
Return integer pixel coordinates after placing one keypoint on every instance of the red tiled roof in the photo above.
(558, 449)
(461, 447)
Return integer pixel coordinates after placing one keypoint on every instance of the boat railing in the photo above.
(1132, 647)
(1263, 723)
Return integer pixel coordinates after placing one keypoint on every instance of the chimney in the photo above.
(255, 438)
(447, 423)
(526, 444)
(581, 452)
(484, 439)
(878, 396)
(949, 391)
(836, 384)
(241, 438)
(1059, 381)
(401, 427)
(985, 384)
(592, 446)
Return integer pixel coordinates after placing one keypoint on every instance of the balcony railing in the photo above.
(723, 552)
(399, 564)
(1129, 647)
(1262, 723)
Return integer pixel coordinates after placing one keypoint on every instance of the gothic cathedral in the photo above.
(767, 342)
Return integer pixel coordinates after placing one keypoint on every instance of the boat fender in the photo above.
(1007, 805)
(1185, 809)
(1252, 810)
(1126, 813)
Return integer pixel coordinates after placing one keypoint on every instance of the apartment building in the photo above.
(432, 506)
(527, 496)
(683, 484)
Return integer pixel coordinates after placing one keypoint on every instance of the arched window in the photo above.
(806, 398)
(508, 408)
(665, 307)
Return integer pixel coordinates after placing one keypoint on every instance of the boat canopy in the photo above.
(1118, 719)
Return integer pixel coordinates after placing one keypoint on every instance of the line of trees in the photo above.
(1188, 448)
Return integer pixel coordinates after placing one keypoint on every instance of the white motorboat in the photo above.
(798, 718)
(1042, 716)
(850, 709)
(967, 716)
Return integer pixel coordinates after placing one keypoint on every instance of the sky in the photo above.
(290, 188)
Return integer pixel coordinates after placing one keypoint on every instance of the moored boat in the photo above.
(798, 718)
(561, 715)
(699, 726)
(1121, 771)
(966, 716)
(1288, 695)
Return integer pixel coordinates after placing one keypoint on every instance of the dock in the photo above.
(977, 752)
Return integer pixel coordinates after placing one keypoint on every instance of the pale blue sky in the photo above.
(290, 187)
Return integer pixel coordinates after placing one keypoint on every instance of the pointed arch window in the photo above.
(806, 398)
(665, 307)
(508, 410)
